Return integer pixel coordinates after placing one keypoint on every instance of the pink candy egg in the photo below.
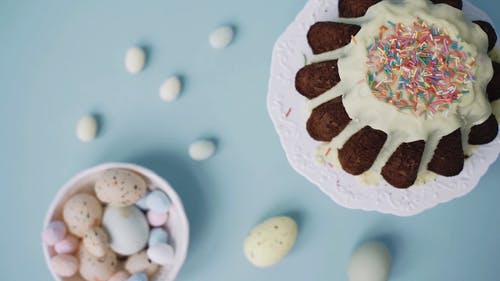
(156, 218)
(120, 276)
(68, 245)
(54, 232)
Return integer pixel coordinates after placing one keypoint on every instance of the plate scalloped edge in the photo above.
(286, 109)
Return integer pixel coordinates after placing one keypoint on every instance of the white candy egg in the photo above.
(221, 37)
(81, 212)
(128, 229)
(86, 129)
(120, 187)
(94, 268)
(64, 265)
(170, 89)
(162, 254)
(140, 263)
(135, 59)
(270, 241)
(201, 150)
(370, 262)
(96, 241)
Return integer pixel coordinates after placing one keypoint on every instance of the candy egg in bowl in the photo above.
(115, 221)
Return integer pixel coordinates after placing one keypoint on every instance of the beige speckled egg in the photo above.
(270, 241)
(140, 263)
(64, 265)
(96, 241)
(81, 212)
(97, 269)
(121, 275)
(120, 187)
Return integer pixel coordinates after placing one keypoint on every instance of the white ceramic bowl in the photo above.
(177, 224)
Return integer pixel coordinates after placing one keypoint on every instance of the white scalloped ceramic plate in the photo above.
(286, 108)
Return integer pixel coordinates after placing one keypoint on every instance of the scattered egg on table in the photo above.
(68, 245)
(157, 235)
(94, 268)
(86, 129)
(201, 150)
(221, 37)
(64, 265)
(170, 89)
(140, 276)
(270, 241)
(162, 254)
(370, 262)
(127, 228)
(120, 187)
(140, 263)
(81, 212)
(54, 232)
(158, 201)
(96, 241)
(121, 275)
(157, 218)
(135, 59)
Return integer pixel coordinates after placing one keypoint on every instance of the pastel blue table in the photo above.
(60, 60)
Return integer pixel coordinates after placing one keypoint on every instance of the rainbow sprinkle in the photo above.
(418, 67)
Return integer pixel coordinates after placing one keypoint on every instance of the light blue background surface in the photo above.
(60, 60)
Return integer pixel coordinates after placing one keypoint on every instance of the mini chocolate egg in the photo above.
(94, 268)
(81, 212)
(135, 59)
(68, 245)
(221, 37)
(270, 241)
(64, 265)
(140, 263)
(162, 254)
(127, 228)
(54, 232)
(170, 89)
(157, 236)
(201, 150)
(156, 218)
(96, 241)
(158, 201)
(120, 187)
(121, 275)
(86, 129)
(139, 276)
(370, 262)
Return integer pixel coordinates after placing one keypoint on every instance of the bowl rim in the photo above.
(181, 249)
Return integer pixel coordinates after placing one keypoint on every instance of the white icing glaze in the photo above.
(404, 126)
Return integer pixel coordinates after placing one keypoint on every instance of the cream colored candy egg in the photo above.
(140, 263)
(86, 129)
(120, 187)
(135, 59)
(370, 262)
(201, 150)
(81, 212)
(120, 276)
(64, 265)
(221, 37)
(94, 268)
(170, 89)
(270, 241)
(96, 241)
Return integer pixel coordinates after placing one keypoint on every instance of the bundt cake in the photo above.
(400, 88)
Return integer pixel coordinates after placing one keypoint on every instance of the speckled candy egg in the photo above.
(270, 241)
(96, 241)
(64, 265)
(81, 212)
(370, 262)
(121, 275)
(127, 228)
(140, 263)
(97, 269)
(120, 187)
